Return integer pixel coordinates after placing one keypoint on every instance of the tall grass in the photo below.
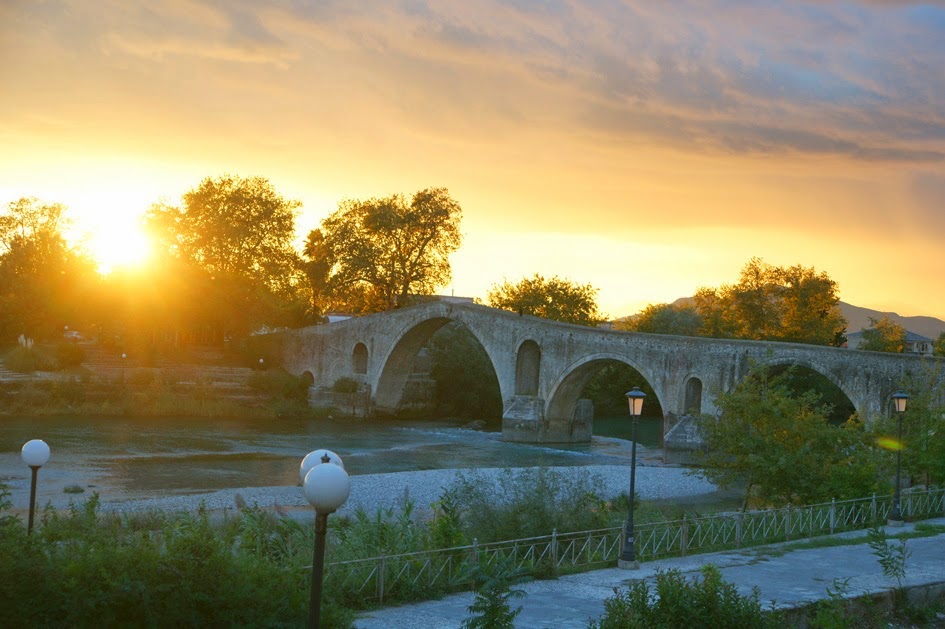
(81, 568)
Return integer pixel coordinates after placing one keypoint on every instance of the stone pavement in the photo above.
(786, 575)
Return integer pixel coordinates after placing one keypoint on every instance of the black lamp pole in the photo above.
(318, 568)
(899, 399)
(35, 470)
(628, 558)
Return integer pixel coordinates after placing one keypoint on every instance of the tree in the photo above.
(884, 335)
(44, 282)
(939, 348)
(782, 448)
(377, 254)
(237, 234)
(556, 298)
(682, 319)
(794, 304)
(923, 426)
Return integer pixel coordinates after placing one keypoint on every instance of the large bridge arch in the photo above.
(565, 391)
(860, 405)
(395, 367)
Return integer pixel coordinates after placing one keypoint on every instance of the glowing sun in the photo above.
(119, 245)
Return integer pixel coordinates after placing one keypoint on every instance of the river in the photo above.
(132, 458)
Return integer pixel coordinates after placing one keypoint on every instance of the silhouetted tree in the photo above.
(378, 254)
(556, 298)
(45, 283)
(235, 236)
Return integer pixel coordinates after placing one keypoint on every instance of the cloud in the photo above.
(211, 29)
(740, 77)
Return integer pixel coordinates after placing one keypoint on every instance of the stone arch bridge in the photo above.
(542, 366)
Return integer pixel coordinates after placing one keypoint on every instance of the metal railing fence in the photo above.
(435, 572)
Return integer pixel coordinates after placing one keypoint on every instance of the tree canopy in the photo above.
(235, 236)
(938, 349)
(923, 425)
(556, 298)
(884, 335)
(682, 319)
(44, 282)
(378, 254)
(768, 303)
(795, 304)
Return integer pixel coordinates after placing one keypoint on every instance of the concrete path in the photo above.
(787, 575)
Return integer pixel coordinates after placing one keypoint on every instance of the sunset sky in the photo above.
(648, 148)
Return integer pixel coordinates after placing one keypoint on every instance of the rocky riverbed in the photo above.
(423, 488)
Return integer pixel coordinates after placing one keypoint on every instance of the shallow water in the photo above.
(126, 458)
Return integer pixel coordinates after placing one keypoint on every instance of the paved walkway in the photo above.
(785, 574)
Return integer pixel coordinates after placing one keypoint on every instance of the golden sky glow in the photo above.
(648, 148)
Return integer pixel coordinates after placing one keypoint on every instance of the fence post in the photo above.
(787, 524)
(738, 530)
(475, 550)
(589, 542)
(833, 515)
(873, 510)
(380, 579)
(554, 547)
(684, 536)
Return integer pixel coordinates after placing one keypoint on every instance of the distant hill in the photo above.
(859, 319)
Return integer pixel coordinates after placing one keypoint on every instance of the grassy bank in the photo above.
(158, 393)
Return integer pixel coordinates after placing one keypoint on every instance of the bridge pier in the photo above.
(524, 421)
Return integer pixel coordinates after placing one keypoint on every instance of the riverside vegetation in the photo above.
(251, 567)
(142, 392)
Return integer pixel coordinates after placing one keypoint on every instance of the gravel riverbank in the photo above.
(424, 487)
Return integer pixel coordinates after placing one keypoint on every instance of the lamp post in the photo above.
(326, 486)
(899, 400)
(35, 453)
(628, 558)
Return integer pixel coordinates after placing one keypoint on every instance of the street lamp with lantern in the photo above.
(899, 400)
(35, 454)
(326, 486)
(628, 558)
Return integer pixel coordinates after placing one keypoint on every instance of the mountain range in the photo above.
(858, 318)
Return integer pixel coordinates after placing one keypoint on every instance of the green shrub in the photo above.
(69, 355)
(495, 587)
(708, 603)
(279, 383)
(26, 360)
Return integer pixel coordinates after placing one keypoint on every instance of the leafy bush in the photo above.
(69, 355)
(23, 359)
(495, 587)
(708, 602)
(279, 383)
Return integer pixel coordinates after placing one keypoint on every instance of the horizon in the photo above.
(645, 149)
